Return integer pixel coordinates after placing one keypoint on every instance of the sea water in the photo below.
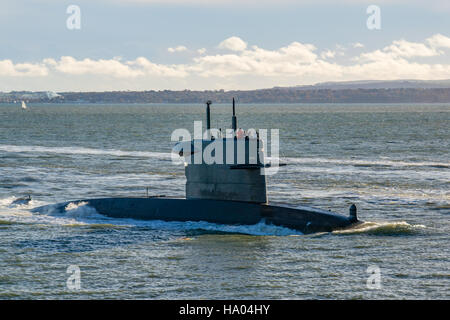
(392, 161)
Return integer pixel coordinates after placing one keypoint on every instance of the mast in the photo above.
(233, 118)
(208, 119)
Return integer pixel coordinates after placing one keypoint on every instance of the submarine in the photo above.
(230, 190)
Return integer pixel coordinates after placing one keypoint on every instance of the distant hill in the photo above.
(401, 91)
(378, 84)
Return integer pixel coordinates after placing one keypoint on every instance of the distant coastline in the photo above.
(400, 91)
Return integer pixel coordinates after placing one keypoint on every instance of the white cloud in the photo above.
(201, 50)
(111, 67)
(357, 45)
(439, 41)
(250, 67)
(8, 68)
(115, 68)
(177, 49)
(401, 49)
(153, 69)
(328, 54)
(233, 44)
(288, 60)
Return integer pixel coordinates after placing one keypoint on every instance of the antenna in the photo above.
(233, 118)
(234, 110)
(208, 118)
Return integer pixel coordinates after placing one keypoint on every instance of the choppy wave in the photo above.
(83, 211)
(79, 213)
(366, 162)
(11, 213)
(82, 150)
(8, 202)
(383, 229)
(163, 155)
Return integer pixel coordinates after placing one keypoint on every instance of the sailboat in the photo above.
(24, 105)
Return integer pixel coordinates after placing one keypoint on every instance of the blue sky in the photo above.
(199, 44)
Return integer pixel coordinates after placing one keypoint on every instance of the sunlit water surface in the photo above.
(392, 161)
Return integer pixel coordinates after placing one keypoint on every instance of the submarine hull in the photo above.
(303, 219)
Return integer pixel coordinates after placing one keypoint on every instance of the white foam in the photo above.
(81, 210)
(80, 213)
(168, 156)
(259, 229)
(82, 150)
(362, 162)
(22, 214)
(382, 228)
(7, 201)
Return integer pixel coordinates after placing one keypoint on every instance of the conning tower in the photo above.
(229, 167)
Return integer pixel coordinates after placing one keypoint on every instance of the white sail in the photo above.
(24, 106)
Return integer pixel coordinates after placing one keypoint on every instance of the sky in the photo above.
(107, 45)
